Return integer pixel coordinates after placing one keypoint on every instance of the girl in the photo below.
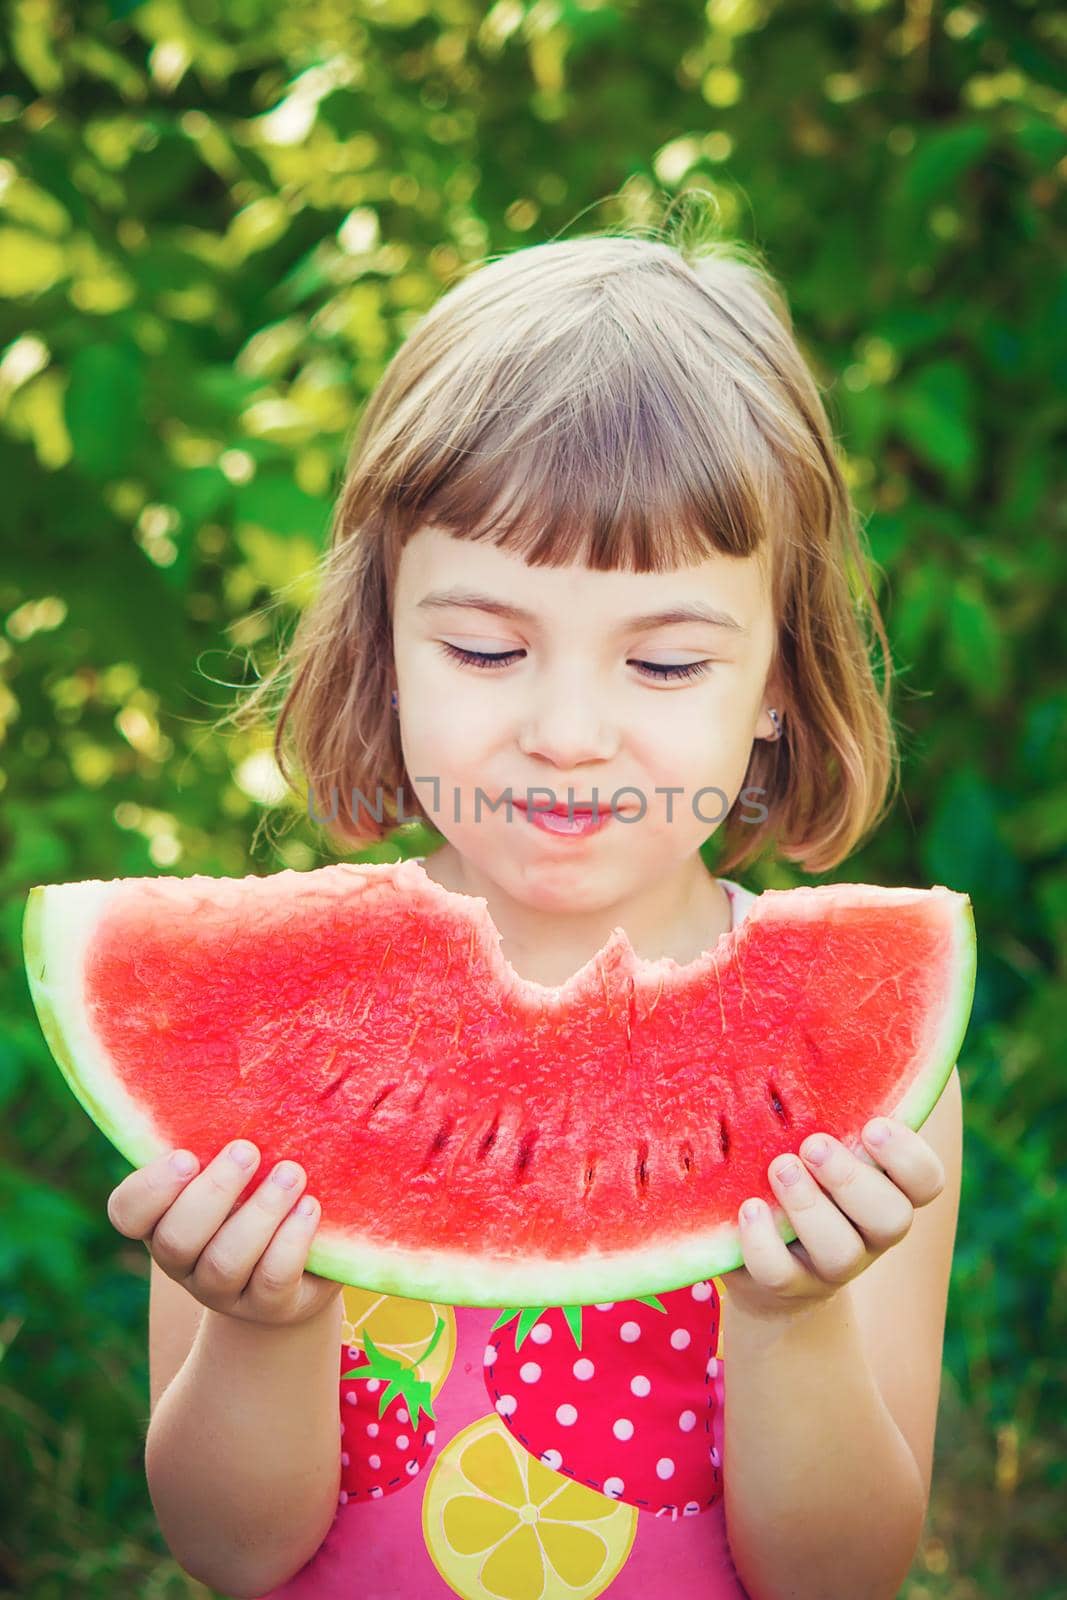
(593, 548)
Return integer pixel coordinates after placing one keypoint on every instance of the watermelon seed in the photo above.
(522, 1160)
(589, 1173)
(687, 1158)
(332, 1087)
(724, 1137)
(380, 1096)
(440, 1139)
(776, 1103)
(489, 1140)
(642, 1166)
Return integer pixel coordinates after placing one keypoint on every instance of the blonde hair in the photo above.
(632, 399)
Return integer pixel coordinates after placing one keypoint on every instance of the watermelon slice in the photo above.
(475, 1138)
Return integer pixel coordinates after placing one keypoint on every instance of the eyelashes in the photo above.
(652, 669)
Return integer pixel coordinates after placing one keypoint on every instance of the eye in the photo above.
(480, 658)
(688, 669)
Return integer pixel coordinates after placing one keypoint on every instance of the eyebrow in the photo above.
(472, 600)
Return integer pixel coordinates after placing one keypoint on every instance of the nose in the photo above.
(569, 725)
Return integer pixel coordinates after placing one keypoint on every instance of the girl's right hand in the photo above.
(244, 1261)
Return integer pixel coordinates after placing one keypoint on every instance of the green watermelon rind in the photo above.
(51, 944)
(54, 941)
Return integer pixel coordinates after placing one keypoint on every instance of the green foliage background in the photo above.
(217, 220)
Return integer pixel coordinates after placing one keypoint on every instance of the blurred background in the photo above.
(218, 218)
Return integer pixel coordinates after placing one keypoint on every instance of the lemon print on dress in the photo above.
(401, 1329)
(500, 1525)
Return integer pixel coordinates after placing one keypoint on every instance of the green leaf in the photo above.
(975, 644)
(963, 845)
(922, 597)
(933, 409)
(274, 501)
(940, 160)
(104, 406)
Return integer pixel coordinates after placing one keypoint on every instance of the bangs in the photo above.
(614, 441)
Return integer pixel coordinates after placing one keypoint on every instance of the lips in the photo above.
(579, 808)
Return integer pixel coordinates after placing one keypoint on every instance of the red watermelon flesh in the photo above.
(475, 1138)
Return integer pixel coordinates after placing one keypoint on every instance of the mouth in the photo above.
(580, 808)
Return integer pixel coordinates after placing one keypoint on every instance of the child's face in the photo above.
(571, 711)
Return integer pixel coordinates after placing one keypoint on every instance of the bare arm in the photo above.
(242, 1457)
(243, 1454)
(823, 1498)
(831, 1416)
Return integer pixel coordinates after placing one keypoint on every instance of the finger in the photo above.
(201, 1208)
(230, 1257)
(136, 1204)
(766, 1254)
(280, 1268)
(914, 1166)
(836, 1250)
(864, 1194)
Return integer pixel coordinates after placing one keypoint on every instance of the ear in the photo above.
(773, 696)
(765, 726)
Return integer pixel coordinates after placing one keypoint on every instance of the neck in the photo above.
(681, 914)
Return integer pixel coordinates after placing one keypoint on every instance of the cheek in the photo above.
(445, 738)
(705, 751)
(688, 740)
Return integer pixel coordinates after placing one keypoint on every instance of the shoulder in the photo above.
(740, 898)
(900, 1300)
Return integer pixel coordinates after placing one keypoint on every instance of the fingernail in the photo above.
(789, 1173)
(879, 1132)
(306, 1206)
(184, 1163)
(285, 1175)
(816, 1149)
(751, 1210)
(243, 1153)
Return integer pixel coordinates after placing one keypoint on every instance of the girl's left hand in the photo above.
(846, 1211)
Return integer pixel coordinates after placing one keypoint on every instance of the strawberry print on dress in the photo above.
(632, 1408)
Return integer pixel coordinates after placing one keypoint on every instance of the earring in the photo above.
(395, 701)
(777, 726)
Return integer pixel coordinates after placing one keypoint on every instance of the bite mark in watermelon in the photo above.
(475, 1138)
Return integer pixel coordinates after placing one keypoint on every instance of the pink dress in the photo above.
(514, 1462)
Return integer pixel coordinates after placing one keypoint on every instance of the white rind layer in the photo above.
(453, 1278)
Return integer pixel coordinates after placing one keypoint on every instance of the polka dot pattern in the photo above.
(634, 1410)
